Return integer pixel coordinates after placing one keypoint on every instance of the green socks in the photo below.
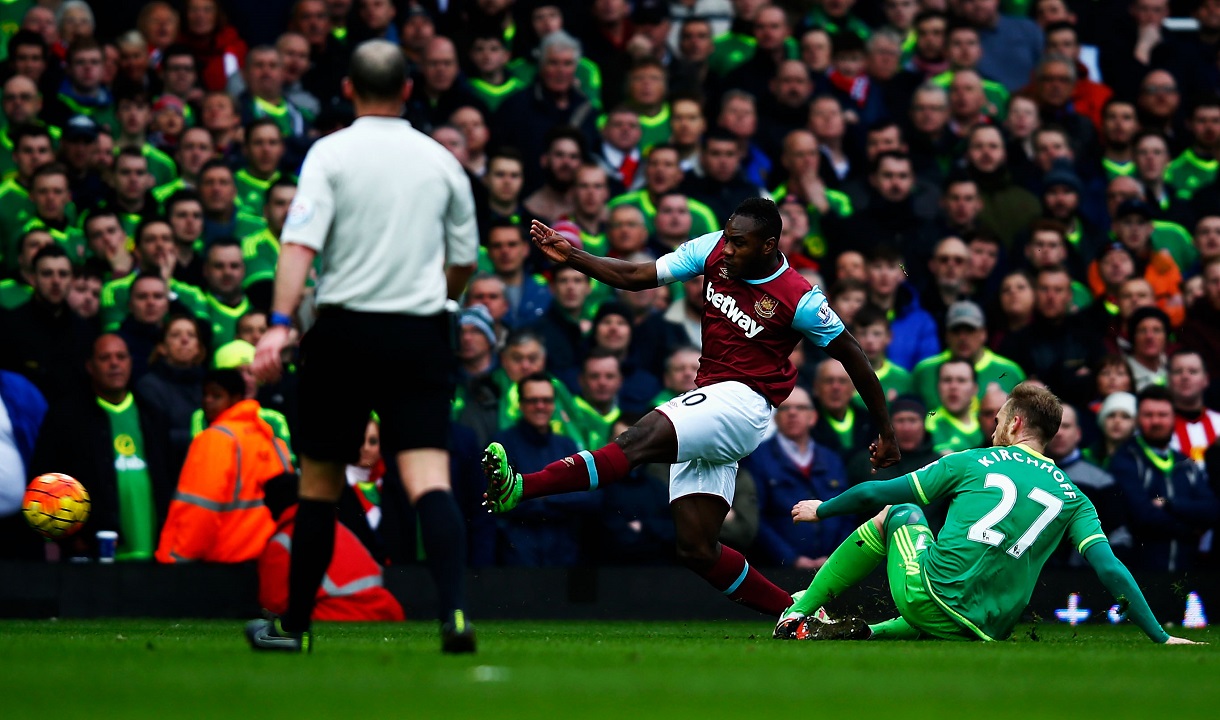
(896, 629)
(859, 554)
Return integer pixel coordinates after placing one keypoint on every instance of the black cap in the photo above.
(1062, 173)
(612, 308)
(650, 12)
(1134, 206)
(908, 403)
(81, 127)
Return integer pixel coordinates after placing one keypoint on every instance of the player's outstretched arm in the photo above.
(864, 499)
(846, 349)
(1117, 579)
(611, 271)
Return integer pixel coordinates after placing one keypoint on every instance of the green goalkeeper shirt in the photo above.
(1011, 507)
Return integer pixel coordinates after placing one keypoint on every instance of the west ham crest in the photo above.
(766, 307)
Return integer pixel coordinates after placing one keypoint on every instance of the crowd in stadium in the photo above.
(986, 191)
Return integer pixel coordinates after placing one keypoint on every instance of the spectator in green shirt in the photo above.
(966, 338)
(953, 425)
(1196, 166)
(134, 116)
(15, 292)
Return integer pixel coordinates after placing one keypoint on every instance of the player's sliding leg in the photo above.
(850, 563)
(652, 439)
(895, 629)
(697, 519)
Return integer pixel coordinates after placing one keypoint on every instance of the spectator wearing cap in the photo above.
(1167, 497)
(168, 122)
(909, 415)
(1148, 330)
(78, 150)
(966, 339)
(789, 467)
(1116, 420)
(547, 533)
(614, 333)
(527, 294)
(476, 343)
(1062, 200)
(1133, 229)
(1165, 235)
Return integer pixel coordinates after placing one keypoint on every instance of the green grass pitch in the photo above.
(557, 670)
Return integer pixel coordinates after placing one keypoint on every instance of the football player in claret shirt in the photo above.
(1009, 508)
(756, 310)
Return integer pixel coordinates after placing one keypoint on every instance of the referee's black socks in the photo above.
(313, 543)
(443, 532)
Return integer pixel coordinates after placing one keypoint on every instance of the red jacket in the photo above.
(219, 55)
(351, 591)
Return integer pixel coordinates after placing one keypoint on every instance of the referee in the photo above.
(392, 216)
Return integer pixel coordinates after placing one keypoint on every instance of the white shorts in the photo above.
(716, 426)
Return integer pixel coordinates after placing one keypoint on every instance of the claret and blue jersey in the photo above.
(750, 327)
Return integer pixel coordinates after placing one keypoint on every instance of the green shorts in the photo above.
(907, 537)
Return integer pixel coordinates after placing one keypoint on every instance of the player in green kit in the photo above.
(1010, 507)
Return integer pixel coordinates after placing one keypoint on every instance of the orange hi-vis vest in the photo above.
(352, 588)
(217, 514)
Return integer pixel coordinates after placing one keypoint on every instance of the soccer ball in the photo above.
(55, 505)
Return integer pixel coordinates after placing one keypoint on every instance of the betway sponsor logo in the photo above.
(736, 315)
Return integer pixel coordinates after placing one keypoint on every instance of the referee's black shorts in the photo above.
(352, 363)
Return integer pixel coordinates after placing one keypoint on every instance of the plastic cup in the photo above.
(107, 542)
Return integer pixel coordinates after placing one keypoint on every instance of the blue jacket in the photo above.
(781, 484)
(535, 299)
(543, 531)
(26, 409)
(914, 331)
(1165, 538)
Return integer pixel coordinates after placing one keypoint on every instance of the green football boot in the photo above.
(504, 484)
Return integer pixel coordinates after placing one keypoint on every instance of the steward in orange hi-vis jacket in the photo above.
(218, 514)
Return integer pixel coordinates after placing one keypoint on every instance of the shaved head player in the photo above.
(391, 213)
